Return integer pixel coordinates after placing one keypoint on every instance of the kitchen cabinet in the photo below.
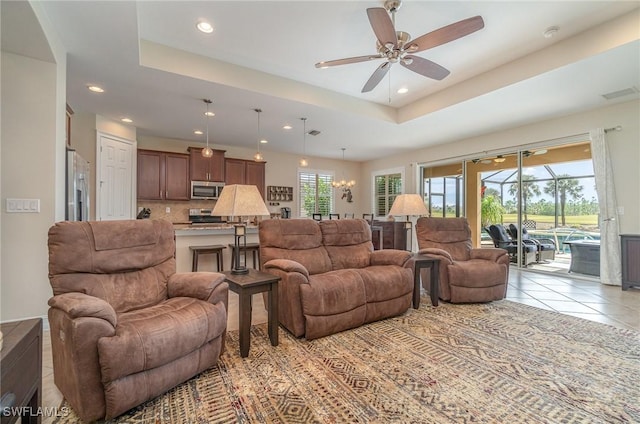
(206, 169)
(240, 171)
(163, 175)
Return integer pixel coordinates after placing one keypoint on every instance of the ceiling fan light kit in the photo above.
(397, 46)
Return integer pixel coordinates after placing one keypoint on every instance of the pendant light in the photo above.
(207, 152)
(258, 156)
(343, 184)
(303, 161)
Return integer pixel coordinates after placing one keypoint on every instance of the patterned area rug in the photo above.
(502, 362)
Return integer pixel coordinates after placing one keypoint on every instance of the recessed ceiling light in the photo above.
(287, 127)
(205, 27)
(209, 113)
(550, 32)
(198, 132)
(403, 90)
(95, 88)
(263, 141)
(127, 120)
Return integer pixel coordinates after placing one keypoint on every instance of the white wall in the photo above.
(28, 171)
(624, 148)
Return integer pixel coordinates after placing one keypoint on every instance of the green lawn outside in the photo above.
(571, 221)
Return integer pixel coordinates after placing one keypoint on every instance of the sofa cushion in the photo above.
(332, 292)
(124, 291)
(451, 234)
(332, 302)
(386, 282)
(299, 240)
(477, 273)
(154, 336)
(348, 242)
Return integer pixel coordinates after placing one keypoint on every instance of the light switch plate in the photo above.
(23, 205)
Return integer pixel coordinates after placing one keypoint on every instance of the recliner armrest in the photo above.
(488, 253)
(77, 305)
(434, 251)
(287, 265)
(207, 286)
(390, 257)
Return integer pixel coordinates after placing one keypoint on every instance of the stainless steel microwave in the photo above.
(206, 190)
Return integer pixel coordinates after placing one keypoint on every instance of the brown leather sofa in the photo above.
(466, 274)
(125, 327)
(331, 278)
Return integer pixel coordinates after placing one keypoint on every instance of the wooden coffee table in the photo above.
(425, 261)
(246, 285)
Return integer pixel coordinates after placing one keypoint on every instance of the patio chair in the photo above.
(545, 247)
(501, 239)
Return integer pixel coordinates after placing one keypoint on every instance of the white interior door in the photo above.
(115, 183)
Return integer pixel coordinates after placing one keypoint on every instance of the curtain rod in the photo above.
(618, 128)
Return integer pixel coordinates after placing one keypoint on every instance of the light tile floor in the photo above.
(584, 298)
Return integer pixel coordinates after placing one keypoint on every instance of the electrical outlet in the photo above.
(167, 209)
(620, 210)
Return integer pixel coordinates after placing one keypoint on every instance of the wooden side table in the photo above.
(21, 365)
(246, 285)
(420, 262)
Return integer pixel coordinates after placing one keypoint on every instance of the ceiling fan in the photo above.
(397, 46)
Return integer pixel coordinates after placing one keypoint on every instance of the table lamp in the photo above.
(409, 205)
(238, 200)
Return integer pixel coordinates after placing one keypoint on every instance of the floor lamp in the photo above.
(408, 205)
(241, 201)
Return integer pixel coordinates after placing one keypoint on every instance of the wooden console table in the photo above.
(21, 364)
(630, 260)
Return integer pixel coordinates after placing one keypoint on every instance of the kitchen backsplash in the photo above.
(178, 211)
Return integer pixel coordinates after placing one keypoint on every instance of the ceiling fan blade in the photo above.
(347, 60)
(376, 77)
(446, 34)
(382, 26)
(425, 67)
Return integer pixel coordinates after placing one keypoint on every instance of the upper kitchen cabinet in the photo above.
(206, 169)
(163, 176)
(240, 171)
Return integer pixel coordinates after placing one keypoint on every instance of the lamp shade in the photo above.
(408, 204)
(240, 200)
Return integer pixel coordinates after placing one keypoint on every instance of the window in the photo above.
(387, 187)
(316, 195)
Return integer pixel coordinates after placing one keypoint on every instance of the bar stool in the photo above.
(254, 248)
(205, 250)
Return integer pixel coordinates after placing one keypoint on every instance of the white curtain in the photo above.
(610, 267)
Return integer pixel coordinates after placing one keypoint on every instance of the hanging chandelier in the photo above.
(303, 161)
(343, 184)
(258, 156)
(207, 152)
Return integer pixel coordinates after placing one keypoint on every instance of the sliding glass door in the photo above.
(543, 194)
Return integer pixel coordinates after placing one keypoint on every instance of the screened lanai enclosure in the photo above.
(548, 193)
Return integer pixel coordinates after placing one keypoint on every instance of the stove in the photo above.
(203, 216)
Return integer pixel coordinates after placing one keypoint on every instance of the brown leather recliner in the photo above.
(466, 274)
(125, 327)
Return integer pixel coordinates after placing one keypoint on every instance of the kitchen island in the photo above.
(203, 235)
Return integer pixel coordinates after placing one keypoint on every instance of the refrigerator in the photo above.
(77, 193)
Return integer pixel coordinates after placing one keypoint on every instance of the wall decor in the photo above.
(279, 194)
